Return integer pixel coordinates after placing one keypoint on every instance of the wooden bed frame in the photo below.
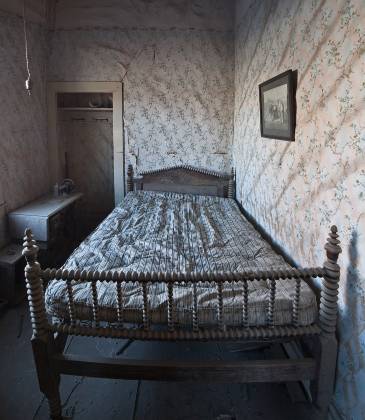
(183, 179)
(49, 337)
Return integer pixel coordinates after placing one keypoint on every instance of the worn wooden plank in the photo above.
(216, 371)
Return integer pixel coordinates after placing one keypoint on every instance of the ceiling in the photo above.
(160, 14)
(36, 10)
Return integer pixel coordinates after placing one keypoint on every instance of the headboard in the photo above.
(183, 179)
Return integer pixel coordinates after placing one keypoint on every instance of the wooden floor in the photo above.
(85, 398)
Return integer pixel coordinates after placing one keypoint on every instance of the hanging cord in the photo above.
(28, 82)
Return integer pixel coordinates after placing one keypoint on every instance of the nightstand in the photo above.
(12, 283)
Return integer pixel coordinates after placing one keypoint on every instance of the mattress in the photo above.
(152, 231)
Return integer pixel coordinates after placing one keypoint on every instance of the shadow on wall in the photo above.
(352, 345)
(266, 235)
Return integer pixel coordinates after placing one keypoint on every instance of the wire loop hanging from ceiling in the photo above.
(28, 82)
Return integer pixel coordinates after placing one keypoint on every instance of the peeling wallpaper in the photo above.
(178, 86)
(23, 140)
(297, 190)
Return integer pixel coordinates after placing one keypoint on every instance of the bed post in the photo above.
(328, 310)
(130, 186)
(42, 340)
(231, 185)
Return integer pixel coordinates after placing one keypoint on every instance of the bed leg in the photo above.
(48, 379)
(42, 340)
(326, 352)
(322, 388)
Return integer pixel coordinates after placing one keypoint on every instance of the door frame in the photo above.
(54, 158)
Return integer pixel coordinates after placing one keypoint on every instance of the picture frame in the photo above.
(277, 107)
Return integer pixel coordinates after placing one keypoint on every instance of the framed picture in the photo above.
(277, 107)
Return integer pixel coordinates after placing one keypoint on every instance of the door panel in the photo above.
(88, 145)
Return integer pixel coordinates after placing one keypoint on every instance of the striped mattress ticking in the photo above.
(152, 231)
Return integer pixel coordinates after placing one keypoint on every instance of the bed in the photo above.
(162, 232)
(177, 260)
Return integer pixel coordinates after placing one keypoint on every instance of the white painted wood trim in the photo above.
(116, 88)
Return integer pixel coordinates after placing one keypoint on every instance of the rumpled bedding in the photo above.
(159, 231)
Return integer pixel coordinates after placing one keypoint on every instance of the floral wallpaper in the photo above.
(178, 81)
(23, 139)
(296, 190)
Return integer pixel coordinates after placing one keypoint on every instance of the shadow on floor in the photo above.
(106, 399)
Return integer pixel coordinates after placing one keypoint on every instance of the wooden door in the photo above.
(87, 138)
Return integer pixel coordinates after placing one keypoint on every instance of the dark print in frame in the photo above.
(277, 107)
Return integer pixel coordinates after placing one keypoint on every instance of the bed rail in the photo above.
(327, 307)
(180, 277)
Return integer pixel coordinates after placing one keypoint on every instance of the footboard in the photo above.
(327, 306)
(49, 338)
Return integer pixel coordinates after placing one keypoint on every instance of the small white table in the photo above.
(45, 216)
(52, 222)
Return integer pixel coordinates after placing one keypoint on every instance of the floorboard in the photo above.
(89, 398)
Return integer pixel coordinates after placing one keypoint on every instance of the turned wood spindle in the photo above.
(296, 301)
(145, 311)
(245, 304)
(130, 186)
(119, 302)
(271, 308)
(41, 340)
(328, 309)
(231, 183)
(95, 301)
(221, 325)
(71, 304)
(195, 309)
(34, 286)
(170, 307)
